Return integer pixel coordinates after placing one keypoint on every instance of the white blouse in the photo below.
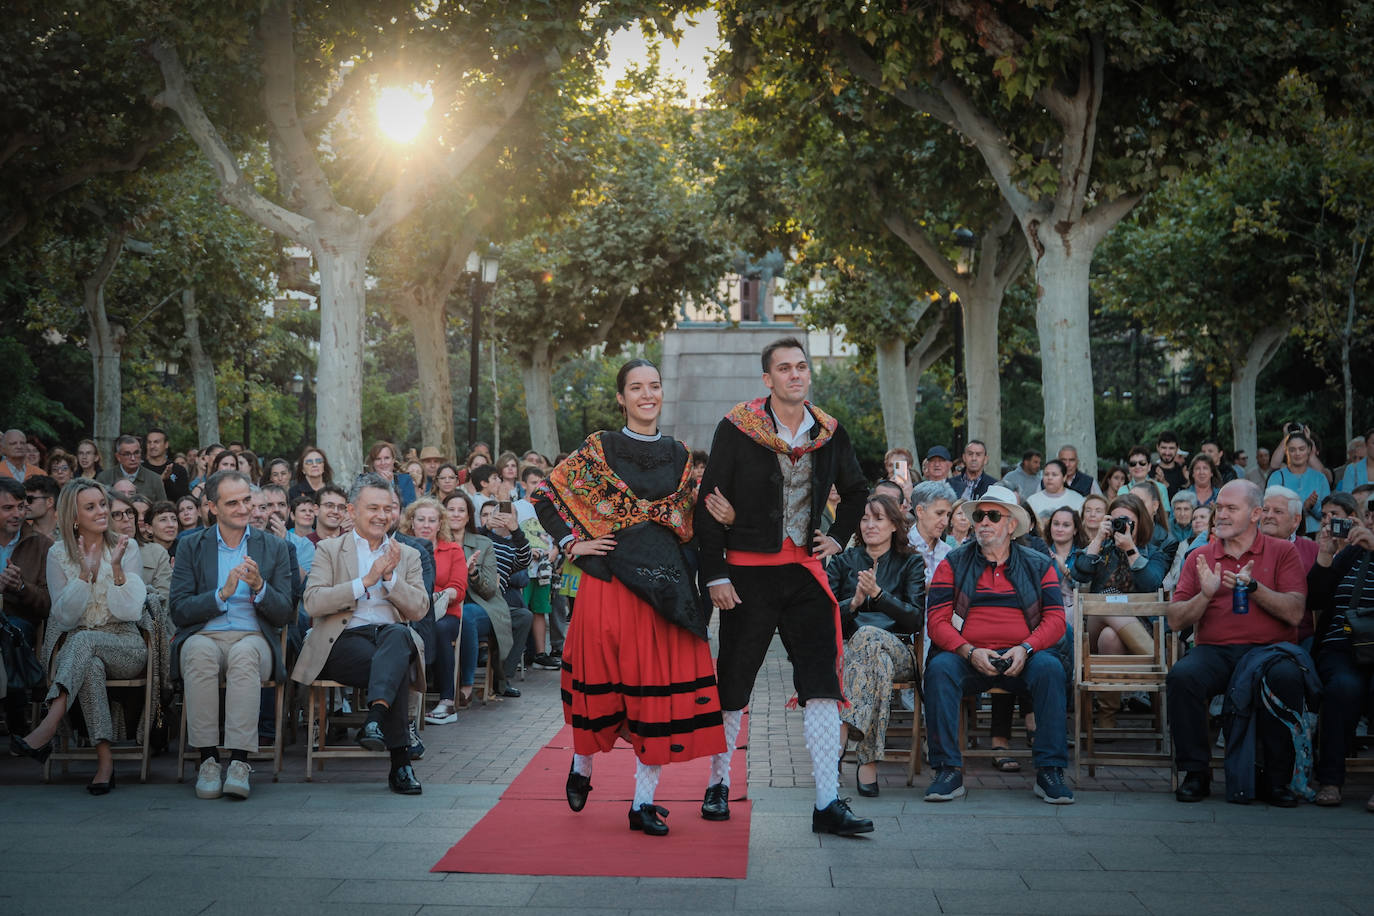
(80, 604)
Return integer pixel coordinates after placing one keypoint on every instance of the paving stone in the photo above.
(753, 897)
(1031, 903)
(343, 844)
(514, 892)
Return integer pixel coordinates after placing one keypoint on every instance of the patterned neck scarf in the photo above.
(752, 419)
(593, 501)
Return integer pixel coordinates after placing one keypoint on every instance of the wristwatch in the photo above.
(1251, 586)
(1030, 650)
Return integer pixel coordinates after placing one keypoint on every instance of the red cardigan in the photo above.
(451, 571)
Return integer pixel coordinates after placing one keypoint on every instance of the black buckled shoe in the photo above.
(577, 788)
(716, 806)
(402, 781)
(836, 818)
(1194, 788)
(649, 818)
(370, 737)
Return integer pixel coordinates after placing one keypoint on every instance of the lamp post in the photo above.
(483, 269)
(967, 242)
(298, 389)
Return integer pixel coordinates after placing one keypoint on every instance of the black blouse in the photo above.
(648, 558)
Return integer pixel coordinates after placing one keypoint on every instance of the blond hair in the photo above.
(426, 502)
(66, 515)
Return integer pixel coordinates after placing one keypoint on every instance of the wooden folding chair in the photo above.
(272, 752)
(141, 751)
(1119, 674)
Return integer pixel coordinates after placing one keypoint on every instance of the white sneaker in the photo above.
(442, 714)
(208, 782)
(236, 779)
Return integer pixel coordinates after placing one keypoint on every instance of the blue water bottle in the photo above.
(1240, 596)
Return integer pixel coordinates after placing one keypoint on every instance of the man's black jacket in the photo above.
(749, 476)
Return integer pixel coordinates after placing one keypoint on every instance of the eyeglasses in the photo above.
(992, 515)
(126, 453)
(35, 497)
(123, 513)
(313, 461)
(1140, 464)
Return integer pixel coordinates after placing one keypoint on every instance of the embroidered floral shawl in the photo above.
(752, 419)
(593, 501)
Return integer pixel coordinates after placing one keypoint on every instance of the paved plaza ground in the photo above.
(343, 844)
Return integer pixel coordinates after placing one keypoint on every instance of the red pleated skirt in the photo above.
(626, 669)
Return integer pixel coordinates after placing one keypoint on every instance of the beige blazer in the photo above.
(329, 603)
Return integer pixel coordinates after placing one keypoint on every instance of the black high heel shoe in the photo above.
(102, 788)
(866, 789)
(20, 748)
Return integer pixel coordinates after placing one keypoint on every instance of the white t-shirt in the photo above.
(1043, 504)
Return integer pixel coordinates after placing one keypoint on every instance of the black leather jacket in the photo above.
(901, 608)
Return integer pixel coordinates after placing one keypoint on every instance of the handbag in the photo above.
(22, 669)
(1359, 618)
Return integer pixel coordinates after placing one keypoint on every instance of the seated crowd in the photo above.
(240, 571)
(254, 570)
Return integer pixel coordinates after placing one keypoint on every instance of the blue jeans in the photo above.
(949, 678)
(476, 628)
(446, 628)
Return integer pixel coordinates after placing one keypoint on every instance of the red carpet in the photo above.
(531, 831)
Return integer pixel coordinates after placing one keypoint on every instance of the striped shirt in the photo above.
(512, 553)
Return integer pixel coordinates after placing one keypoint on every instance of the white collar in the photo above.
(800, 436)
(640, 437)
(364, 549)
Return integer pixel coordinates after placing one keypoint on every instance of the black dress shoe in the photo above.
(101, 788)
(649, 818)
(577, 788)
(1281, 797)
(1194, 788)
(836, 818)
(370, 737)
(716, 806)
(20, 748)
(866, 789)
(403, 782)
(510, 692)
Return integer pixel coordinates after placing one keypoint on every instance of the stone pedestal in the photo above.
(709, 368)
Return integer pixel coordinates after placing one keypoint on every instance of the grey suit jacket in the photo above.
(195, 577)
(145, 482)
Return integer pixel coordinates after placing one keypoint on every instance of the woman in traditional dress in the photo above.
(636, 663)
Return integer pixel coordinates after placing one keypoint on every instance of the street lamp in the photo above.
(483, 269)
(967, 241)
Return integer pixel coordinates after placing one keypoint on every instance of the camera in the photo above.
(1001, 663)
(1122, 525)
(1340, 527)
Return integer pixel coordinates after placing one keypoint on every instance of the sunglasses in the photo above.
(992, 515)
(35, 497)
(1140, 464)
(314, 461)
